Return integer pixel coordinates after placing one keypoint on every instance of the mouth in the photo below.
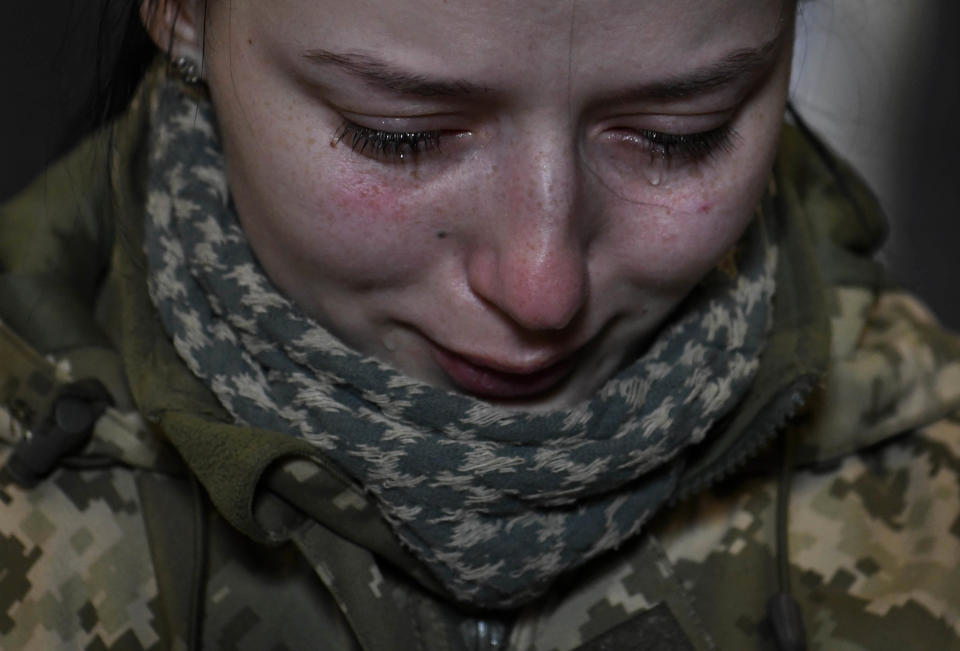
(494, 380)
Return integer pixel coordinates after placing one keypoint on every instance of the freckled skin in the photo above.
(534, 231)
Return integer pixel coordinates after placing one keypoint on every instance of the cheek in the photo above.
(314, 213)
(676, 238)
(363, 229)
(360, 207)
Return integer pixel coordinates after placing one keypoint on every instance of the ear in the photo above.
(176, 26)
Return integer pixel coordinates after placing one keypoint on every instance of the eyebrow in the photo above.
(733, 66)
(379, 73)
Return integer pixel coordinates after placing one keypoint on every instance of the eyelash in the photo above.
(395, 146)
(692, 147)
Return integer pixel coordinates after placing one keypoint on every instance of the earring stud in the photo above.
(187, 69)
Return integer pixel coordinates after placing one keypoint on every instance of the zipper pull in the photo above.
(484, 635)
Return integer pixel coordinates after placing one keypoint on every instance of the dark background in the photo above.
(50, 62)
(48, 66)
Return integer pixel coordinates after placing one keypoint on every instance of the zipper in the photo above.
(751, 445)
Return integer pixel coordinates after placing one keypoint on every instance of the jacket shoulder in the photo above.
(892, 369)
(873, 548)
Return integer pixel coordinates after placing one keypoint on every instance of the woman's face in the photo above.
(503, 198)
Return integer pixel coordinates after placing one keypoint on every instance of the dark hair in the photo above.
(121, 62)
(75, 75)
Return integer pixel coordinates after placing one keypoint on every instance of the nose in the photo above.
(531, 261)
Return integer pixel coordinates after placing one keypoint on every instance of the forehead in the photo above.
(497, 39)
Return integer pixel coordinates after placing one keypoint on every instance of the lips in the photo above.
(489, 380)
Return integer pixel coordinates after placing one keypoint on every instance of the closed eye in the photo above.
(391, 146)
(682, 148)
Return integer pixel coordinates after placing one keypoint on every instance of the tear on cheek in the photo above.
(694, 201)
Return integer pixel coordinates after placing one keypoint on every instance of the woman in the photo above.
(482, 325)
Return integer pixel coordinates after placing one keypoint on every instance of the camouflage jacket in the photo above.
(170, 527)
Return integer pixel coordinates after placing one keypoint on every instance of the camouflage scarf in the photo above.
(496, 502)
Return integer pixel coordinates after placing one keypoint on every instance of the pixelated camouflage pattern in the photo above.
(76, 571)
(873, 536)
(892, 369)
(104, 558)
(874, 550)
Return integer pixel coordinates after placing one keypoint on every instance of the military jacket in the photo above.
(135, 515)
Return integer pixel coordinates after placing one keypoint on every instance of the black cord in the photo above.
(783, 506)
(783, 611)
(92, 462)
(198, 578)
